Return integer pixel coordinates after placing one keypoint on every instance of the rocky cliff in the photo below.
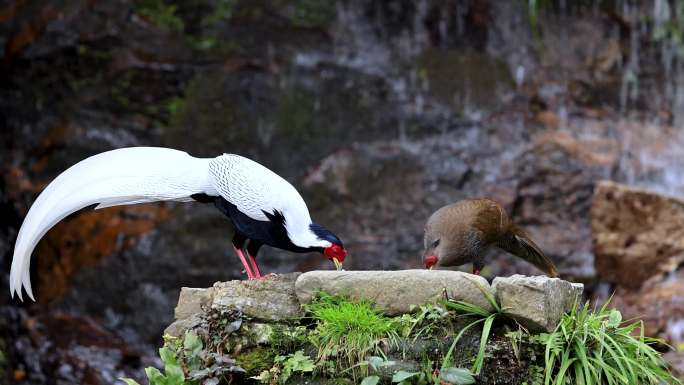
(379, 111)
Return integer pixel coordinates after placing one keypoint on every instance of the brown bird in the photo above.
(461, 232)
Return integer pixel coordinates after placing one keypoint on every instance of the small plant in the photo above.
(294, 363)
(187, 363)
(427, 320)
(591, 347)
(485, 316)
(349, 329)
(286, 366)
(173, 372)
(454, 376)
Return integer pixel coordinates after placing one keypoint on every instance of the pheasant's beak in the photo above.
(338, 264)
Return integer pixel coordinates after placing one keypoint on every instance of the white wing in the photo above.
(123, 176)
(253, 189)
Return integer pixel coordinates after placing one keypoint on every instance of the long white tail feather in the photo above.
(117, 177)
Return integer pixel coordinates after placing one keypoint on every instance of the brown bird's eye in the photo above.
(435, 243)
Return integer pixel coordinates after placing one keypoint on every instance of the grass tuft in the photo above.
(350, 330)
(590, 347)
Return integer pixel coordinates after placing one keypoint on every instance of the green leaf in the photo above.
(192, 343)
(155, 376)
(300, 362)
(486, 328)
(447, 357)
(615, 318)
(375, 362)
(402, 375)
(370, 380)
(167, 356)
(457, 376)
(192, 346)
(129, 381)
(264, 377)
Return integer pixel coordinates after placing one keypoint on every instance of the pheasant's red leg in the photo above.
(255, 267)
(241, 255)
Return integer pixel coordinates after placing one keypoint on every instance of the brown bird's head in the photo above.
(430, 257)
(450, 237)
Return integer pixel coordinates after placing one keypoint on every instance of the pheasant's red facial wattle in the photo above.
(335, 251)
(430, 261)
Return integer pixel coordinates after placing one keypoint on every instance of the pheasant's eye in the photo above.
(435, 243)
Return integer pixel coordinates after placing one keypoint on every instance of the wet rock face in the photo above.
(636, 234)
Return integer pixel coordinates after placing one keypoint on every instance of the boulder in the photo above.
(272, 299)
(192, 301)
(636, 234)
(536, 302)
(396, 292)
(659, 304)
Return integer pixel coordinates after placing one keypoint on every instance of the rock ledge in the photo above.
(536, 302)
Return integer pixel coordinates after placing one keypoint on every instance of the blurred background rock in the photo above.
(378, 111)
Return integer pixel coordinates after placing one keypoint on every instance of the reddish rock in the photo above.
(659, 304)
(636, 234)
(84, 239)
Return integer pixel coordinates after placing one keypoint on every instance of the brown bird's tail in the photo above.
(518, 243)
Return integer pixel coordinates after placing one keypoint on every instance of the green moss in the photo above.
(313, 13)
(256, 360)
(206, 110)
(161, 14)
(464, 80)
(286, 339)
(295, 116)
(223, 11)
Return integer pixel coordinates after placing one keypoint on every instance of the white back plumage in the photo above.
(123, 176)
(254, 189)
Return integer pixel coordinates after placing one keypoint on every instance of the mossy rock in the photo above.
(465, 80)
(256, 360)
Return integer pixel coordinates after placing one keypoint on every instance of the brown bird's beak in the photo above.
(338, 264)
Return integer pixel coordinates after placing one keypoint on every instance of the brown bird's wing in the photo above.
(518, 243)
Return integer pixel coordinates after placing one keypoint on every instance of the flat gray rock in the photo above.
(180, 326)
(536, 302)
(272, 299)
(395, 292)
(192, 301)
